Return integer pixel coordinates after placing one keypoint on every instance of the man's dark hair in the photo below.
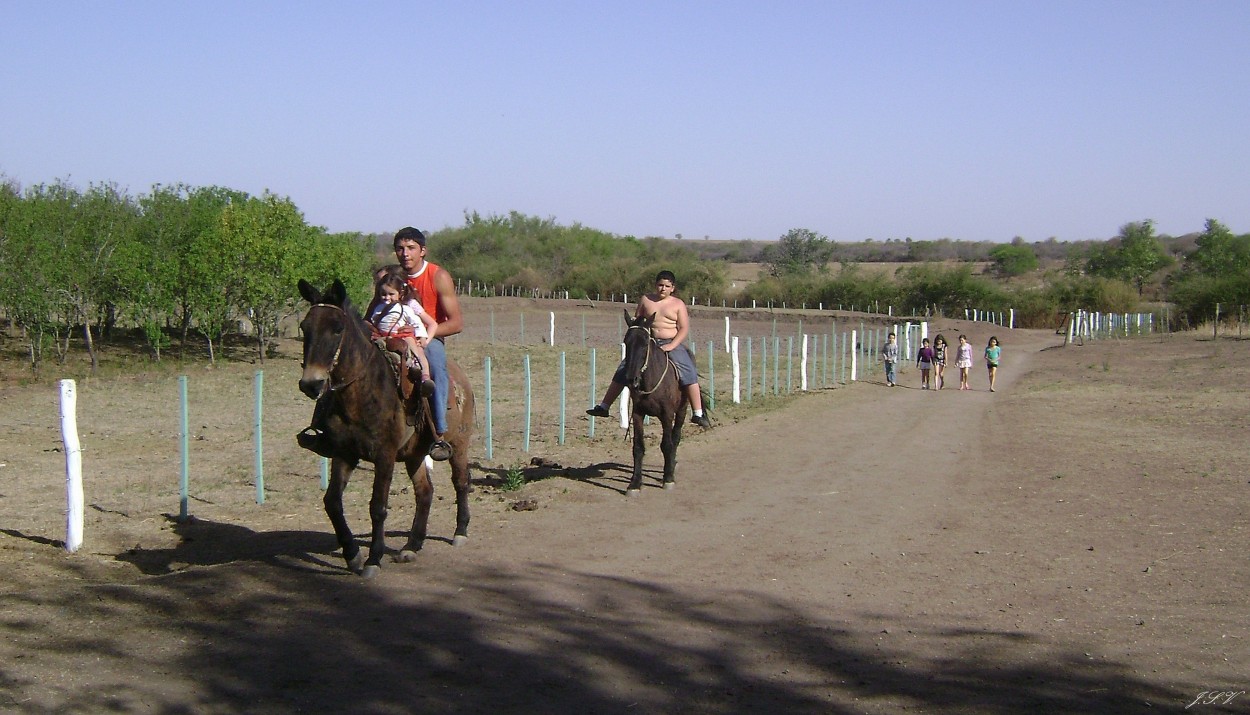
(408, 233)
(666, 276)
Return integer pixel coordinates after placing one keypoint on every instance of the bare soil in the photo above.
(1074, 542)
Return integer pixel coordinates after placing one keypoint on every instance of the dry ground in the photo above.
(1075, 542)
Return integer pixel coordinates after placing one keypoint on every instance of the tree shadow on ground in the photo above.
(211, 543)
(523, 639)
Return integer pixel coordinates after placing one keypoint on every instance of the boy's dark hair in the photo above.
(666, 276)
(408, 233)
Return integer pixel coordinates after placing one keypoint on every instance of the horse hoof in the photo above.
(370, 571)
(405, 556)
(633, 493)
(356, 563)
(459, 540)
(670, 485)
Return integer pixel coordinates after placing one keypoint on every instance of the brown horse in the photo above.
(652, 381)
(362, 417)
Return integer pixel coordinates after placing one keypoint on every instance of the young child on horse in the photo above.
(672, 325)
(396, 313)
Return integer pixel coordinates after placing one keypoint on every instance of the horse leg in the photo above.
(670, 454)
(640, 448)
(461, 480)
(383, 470)
(668, 446)
(423, 493)
(341, 473)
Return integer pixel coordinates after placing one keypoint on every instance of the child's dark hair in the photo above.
(993, 339)
(939, 339)
(392, 280)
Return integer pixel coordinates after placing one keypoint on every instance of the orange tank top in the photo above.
(423, 285)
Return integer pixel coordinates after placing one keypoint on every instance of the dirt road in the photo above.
(865, 550)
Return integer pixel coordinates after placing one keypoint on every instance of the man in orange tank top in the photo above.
(437, 293)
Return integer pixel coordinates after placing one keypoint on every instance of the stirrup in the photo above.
(440, 451)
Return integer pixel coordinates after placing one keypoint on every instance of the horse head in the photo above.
(325, 326)
(637, 347)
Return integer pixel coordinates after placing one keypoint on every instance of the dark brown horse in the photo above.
(653, 387)
(362, 417)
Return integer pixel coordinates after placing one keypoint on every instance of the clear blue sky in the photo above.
(968, 120)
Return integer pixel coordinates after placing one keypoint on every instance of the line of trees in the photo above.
(183, 262)
(177, 262)
(1108, 276)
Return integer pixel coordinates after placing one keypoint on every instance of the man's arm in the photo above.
(451, 306)
(431, 327)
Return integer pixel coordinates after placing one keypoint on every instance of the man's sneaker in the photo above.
(700, 420)
(598, 411)
(440, 451)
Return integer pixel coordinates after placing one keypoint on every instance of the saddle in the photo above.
(396, 352)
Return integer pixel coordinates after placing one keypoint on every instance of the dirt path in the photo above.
(865, 550)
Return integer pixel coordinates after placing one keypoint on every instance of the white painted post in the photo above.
(726, 333)
(73, 466)
(737, 368)
(624, 398)
(803, 366)
(854, 351)
(1011, 324)
(552, 340)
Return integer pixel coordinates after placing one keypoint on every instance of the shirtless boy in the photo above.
(672, 325)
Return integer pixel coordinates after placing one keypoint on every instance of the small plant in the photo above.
(514, 479)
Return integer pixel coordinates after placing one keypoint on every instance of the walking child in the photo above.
(889, 356)
(992, 353)
(924, 361)
(939, 361)
(963, 361)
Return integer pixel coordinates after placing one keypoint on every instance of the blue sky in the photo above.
(967, 120)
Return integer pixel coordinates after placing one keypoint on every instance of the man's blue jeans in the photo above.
(436, 354)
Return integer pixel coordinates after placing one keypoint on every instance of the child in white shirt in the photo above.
(398, 314)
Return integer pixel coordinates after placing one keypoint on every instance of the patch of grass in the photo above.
(514, 479)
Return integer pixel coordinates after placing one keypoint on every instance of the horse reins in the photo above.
(646, 361)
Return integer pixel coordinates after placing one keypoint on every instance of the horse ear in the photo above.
(337, 293)
(310, 294)
(628, 318)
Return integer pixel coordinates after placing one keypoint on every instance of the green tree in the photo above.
(269, 244)
(1219, 252)
(1134, 257)
(1013, 259)
(797, 252)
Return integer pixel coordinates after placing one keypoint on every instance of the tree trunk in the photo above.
(86, 333)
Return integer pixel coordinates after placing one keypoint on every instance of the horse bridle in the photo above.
(646, 361)
(334, 361)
